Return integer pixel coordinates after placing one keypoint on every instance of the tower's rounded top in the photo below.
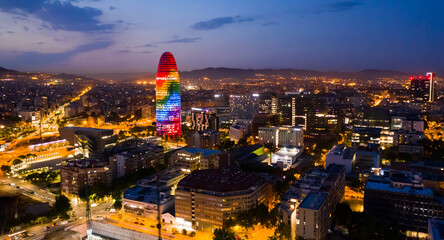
(167, 63)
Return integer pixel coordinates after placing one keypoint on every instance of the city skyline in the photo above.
(110, 36)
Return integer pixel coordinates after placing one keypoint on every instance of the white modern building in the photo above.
(341, 155)
(287, 156)
(280, 136)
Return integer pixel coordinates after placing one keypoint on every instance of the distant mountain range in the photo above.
(217, 73)
(241, 74)
(4, 70)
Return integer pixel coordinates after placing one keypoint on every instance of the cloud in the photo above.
(25, 28)
(219, 22)
(10, 32)
(183, 40)
(145, 45)
(123, 51)
(60, 15)
(343, 6)
(37, 60)
(112, 8)
(270, 23)
(145, 52)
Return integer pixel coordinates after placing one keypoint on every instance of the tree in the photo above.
(192, 234)
(342, 213)
(62, 205)
(6, 168)
(184, 231)
(271, 147)
(226, 144)
(223, 234)
(282, 232)
(405, 156)
(17, 161)
(242, 142)
(389, 155)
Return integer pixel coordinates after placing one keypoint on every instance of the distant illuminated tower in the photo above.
(431, 77)
(423, 89)
(168, 97)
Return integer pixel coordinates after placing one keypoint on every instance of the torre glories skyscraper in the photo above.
(168, 97)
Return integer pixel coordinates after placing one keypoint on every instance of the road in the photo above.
(80, 218)
(27, 189)
(48, 123)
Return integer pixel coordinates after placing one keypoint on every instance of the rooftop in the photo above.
(437, 228)
(205, 152)
(406, 189)
(226, 180)
(88, 129)
(313, 200)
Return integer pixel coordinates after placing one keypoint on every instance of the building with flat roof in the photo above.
(313, 216)
(79, 173)
(401, 198)
(206, 197)
(203, 119)
(287, 156)
(341, 155)
(130, 161)
(243, 106)
(435, 229)
(283, 135)
(88, 140)
(142, 199)
(204, 139)
(190, 159)
(328, 182)
(237, 132)
(362, 136)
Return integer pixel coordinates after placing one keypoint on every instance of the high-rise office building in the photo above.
(203, 119)
(423, 89)
(168, 97)
(243, 106)
(267, 103)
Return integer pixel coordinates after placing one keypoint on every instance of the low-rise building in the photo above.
(204, 139)
(78, 173)
(237, 132)
(190, 159)
(206, 197)
(286, 156)
(137, 158)
(88, 140)
(142, 199)
(341, 155)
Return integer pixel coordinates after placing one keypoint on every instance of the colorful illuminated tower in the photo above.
(168, 97)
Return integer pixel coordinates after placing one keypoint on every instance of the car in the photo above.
(32, 234)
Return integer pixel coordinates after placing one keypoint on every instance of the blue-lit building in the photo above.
(401, 198)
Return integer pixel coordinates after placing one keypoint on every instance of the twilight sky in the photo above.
(102, 36)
